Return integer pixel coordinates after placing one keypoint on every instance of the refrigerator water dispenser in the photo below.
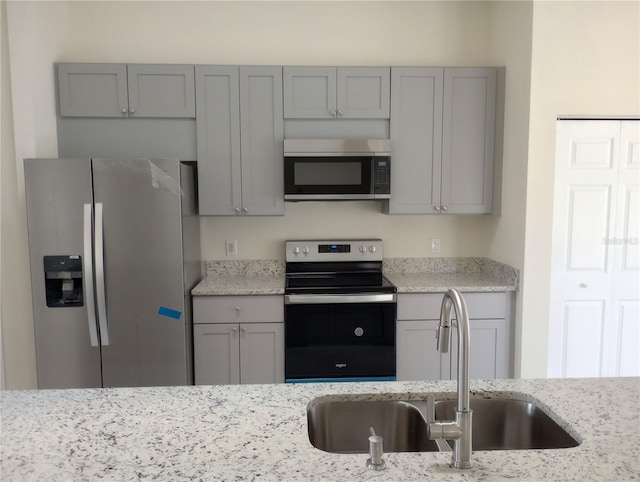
(63, 281)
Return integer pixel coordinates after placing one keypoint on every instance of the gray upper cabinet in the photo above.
(336, 92)
(416, 139)
(240, 135)
(121, 90)
(468, 140)
(442, 139)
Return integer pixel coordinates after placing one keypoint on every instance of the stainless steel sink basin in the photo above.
(343, 427)
(498, 424)
(509, 424)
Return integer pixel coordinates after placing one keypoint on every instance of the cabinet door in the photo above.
(92, 90)
(218, 140)
(161, 90)
(363, 92)
(489, 352)
(417, 357)
(467, 140)
(262, 352)
(216, 352)
(262, 140)
(416, 139)
(309, 92)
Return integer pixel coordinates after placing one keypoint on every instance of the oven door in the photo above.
(340, 337)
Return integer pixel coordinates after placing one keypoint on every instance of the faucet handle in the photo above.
(443, 445)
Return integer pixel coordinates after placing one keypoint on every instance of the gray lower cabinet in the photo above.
(442, 139)
(238, 339)
(490, 332)
(336, 92)
(240, 136)
(126, 90)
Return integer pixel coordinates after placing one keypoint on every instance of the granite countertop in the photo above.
(259, 432)
(410, 275)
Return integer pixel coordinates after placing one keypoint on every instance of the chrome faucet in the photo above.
(458, 430)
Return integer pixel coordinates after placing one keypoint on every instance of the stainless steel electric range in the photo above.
(340, 312)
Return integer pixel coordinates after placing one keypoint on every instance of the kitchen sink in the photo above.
(343, 427)
(498, 424)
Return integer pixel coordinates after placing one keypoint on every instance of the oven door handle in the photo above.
(339, 299)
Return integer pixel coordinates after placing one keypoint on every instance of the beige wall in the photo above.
(567, 75)
(585, 61)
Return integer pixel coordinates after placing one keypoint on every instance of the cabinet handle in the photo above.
(245, 210)
(132, 110)
(340, 113)
(333, 113)
(237, 210)
(444, 208)
(243, 329)
(583, 285)
(237, 309)
(437, 208)
(235, 330)
(123, 110)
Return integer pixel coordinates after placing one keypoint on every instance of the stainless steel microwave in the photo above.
(337, 169)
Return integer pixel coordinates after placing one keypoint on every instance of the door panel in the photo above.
(216, 351)
(627, 338)
(587, 226)
(218, 140)
(417, 356)
(309, 92)
(416, 139)
(56, 192)
(93, 90)
(583, 326)
(262, 127)
(262, 352)
(143, 272)
(161, 90)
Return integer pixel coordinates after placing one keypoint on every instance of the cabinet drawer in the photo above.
(426, 306)
(229, 309)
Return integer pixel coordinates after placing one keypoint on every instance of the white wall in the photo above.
(585, 61)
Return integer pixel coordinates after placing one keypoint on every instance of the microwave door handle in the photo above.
(100, 284)
(88, 275)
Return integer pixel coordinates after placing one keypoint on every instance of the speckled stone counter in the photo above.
(242, 277)
(410, 275)
(259, 432)
(436, 275)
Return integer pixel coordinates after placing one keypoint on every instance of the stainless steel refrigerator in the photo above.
(114, 249)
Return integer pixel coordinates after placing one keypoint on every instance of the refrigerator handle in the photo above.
(88, 277)
(100, 285)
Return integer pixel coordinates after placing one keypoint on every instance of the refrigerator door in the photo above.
(143, 272)
(57, 191)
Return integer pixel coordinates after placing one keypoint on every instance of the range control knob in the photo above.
(372, 248)
(363, 249)
(296, 250)
(305, 250)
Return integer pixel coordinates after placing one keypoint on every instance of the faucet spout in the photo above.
(458, 430)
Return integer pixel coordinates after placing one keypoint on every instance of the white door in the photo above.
(594, 285)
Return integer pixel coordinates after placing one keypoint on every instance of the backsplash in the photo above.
(276, 267)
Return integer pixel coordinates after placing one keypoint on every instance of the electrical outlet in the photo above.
(231, 247)
(435, 246)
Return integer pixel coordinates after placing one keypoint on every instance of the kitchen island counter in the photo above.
(259, 432)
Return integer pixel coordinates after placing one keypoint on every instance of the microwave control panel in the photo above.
(382, 176)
